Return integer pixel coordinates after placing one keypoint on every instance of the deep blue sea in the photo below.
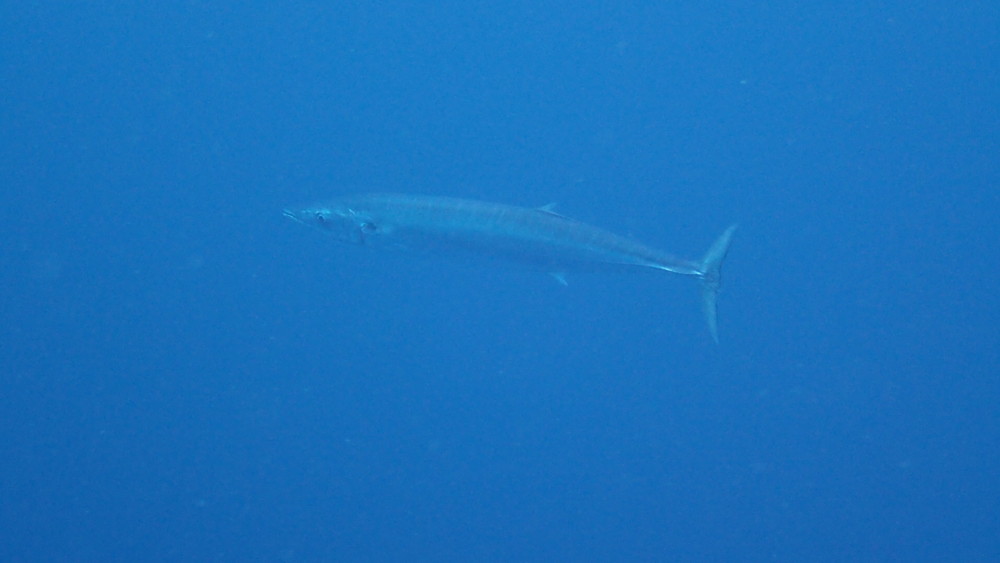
(186, 375)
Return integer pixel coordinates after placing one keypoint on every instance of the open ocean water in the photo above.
(189, 376)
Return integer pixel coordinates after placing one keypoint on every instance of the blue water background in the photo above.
(186, 375)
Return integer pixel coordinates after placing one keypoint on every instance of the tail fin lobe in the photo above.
(710, 267)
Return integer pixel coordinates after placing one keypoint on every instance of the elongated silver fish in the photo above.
(536, 237)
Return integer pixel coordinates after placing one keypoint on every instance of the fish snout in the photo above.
(292, 215)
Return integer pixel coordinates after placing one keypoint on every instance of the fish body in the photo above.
(536, 237)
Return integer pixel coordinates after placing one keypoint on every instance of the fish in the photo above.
(539, 237)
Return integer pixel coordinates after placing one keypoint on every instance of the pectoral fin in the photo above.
(559, 277)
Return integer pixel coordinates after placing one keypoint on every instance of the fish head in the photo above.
(341, 222)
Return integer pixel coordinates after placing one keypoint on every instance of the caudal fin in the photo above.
(710, 271)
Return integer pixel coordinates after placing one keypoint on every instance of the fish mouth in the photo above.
(291, 215)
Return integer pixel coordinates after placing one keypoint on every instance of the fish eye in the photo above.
(320, 216)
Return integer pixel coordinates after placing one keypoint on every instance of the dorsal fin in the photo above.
(550, 208)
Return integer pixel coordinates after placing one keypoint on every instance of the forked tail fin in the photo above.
(711, 266)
